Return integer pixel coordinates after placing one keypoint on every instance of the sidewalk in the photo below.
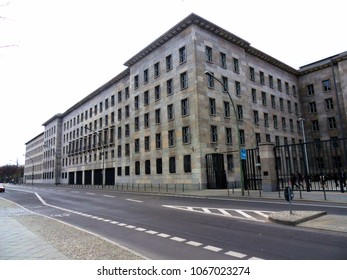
(25, 235)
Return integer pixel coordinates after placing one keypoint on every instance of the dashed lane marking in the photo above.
(134, 200)
(208, 247)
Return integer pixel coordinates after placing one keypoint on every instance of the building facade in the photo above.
(158, 121)
(34, 160)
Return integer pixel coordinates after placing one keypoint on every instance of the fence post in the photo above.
(268, 172)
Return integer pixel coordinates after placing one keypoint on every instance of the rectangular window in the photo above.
(185, 107)
(239, 112)
(127, 170)
(147, 143)
(210, 81)
(225, 84)
(127, 111)
(187, 163)
(284, 124)
(184, 80)
(185, 135)
(146, 120)
(157, 92)
(271, 81)
(148, 167)
(315, 125)
(127, 130)
(158, 141)
(279, 85)
(257, 138)
(286, 85)
(156, 70)
(262, 78)
(255, 117)
(145, 76)
(136, 81)
(171, 138)
(312, 107)
(119, 171)
(223, 60)
(182, 55)
(137, 145)
(242, 137)
(127, 93)
(172, 165)
(137, 167)
(264, 98)
(332, 123)
(127, 149)
(208, 54)
(228, 135)
(236, 66)
(237, 88)
(266, 120)
(251, 74)
(230, 162)
(159, 166)
(326, 85)
(157, 116)
(212, 104)
(275, 121)
(254, 95)
(168, 62)
(136, 102)
(214, 134)
(137, 123)
(169, 87)
(310, 90)
(119, 96)
(146, 97)
(226, 109)
(329, 105)
(170, 112)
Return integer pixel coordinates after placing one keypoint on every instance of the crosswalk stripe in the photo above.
(245, 214)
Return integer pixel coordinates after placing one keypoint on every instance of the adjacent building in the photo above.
(163, 120)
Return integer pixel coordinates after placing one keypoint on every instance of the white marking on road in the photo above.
(245, 214)
(140, 229)
(206, 210)
(235, 254)
(164, 235)
(151, 232)
(262, 214)
(134, 200)
(255, 258)
(130, 226)
(122, 224)
(114, 223)
(178, 239)
(75, 191)
(213, 248)
(225, 213)
(193, 243)
(106, 195)
(90, 193)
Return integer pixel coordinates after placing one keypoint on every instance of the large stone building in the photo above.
(158, 121)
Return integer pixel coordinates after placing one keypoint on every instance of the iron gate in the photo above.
(216, 176)
(317, 166)
(252, 170)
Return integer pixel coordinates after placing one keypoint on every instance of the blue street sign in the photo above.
(243, 154)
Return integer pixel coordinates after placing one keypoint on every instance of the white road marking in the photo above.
(106, 195)
(140, 229)
(164, 235)
(235, 254)
(134, 200)
(130, 226)
(213, 248)
(193, 243)
(90, 193)
(151, 232)
(243, 213)
(178, 239)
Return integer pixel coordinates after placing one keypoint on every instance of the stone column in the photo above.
(268, 164)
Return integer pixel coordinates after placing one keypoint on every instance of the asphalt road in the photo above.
(181, 227)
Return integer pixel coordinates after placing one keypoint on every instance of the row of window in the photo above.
(329, 105)
(252, 72)
(326, 86)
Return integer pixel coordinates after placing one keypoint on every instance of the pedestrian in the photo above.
(322, 180)
(307, 182)
(293, 180)
(342, 180)
(336, 177)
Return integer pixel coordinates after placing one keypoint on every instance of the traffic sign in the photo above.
(288, 194)
(243, 154)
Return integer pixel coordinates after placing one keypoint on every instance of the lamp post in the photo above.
(103, 154)
(301, 120)
(32, 175)
(210, 74)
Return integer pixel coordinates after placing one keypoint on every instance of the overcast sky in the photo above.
(65, 49)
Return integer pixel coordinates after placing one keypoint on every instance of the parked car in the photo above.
(2, 188)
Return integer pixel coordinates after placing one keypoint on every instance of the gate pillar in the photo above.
(268, 167)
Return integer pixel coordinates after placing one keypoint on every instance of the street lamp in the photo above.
(301, 120)
(210, 74)
(32, 175)
(103, 153)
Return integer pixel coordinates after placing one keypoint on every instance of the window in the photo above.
(168, 62)
(119, 151)
(225, 84)
(137, 167)
(136, 81)
(329, 105)
(187, 165)
(119, 96)
(157, 116)
(147, 143)
(136, 102)
(137, 123)
(289, 105)
(310, 90)
(223, 60)
(237, 88)
(146, 120)
(210, 81)
(127, 149)
(236, 65)
(170, 112)
(157, 92)
(119, 171)
(127, 93)
(185, 135)
(171, 138)
(127, 170)
(294, 90)
(315, 125)
(185, 107)
(145, 76)
(263, 98)
(159, 166)
(158, 141)
(137, 145)
(257, 139)
(275, 121)
(228, 135)
(281, 104)
(172, 165)
(208, 54)
(242, 137)
(214, 134)
(254, 95)
(251, 74)
(255, 117)
(286, 85)
(182, 55)
(266, 120)
(279, 85)
(284, 123)
(239, 112)
(119, 114)
(146, 97)
(212, 103)
(127, 130)
(312, 107)
(148, 167)
(184, 80)
(226, 109)
(169, 87)
(332, 123)
(271, 81)
(326, 85)
(262, 78)
(156, 70)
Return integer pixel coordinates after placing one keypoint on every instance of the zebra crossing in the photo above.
(253, 215)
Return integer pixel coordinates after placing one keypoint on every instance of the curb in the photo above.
(297, 217)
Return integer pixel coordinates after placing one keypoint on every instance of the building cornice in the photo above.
(36, 137)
